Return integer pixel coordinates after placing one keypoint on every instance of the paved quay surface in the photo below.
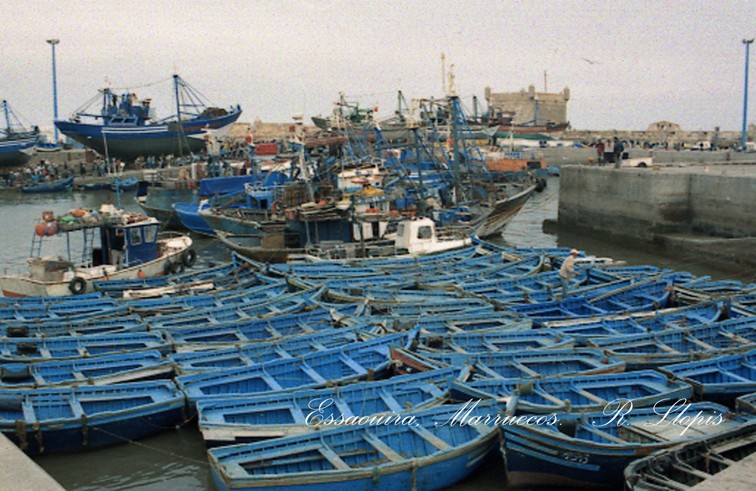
(740, 477)
(20, 473)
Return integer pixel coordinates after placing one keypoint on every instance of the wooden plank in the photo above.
(334, 459)
(379, 445)
(430, 437)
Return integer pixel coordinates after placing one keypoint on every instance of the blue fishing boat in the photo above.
(642, 322)
(100, 370)
(592, 450)
(125, 127)
(64, 347)
(357, 361)
(50, 186)
(720, 379)
(241, 214)
(244, 419)
(16, 142)
(190, 218)
(272, 302)
(426, 454)
(250, 330)
(697, 464)
(582, 394)
(184, 208)
(74, 327)
(503, 340)
(681, 345)
(128, 184)
(157, 201)
(633, 297)
(82, 418)
(514, 366)
(206, 360)
(228, 275)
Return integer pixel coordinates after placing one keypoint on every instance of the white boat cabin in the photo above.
(419, 237)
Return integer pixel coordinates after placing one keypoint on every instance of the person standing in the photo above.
(600, 147)
(117, 249)
(609, 151)
(567, 271)
(618, 149)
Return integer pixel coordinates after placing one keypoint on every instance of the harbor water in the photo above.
(176, 459)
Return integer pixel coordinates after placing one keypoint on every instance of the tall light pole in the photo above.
(52, 43)
(744, 136)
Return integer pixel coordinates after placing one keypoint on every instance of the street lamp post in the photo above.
(744, 136)
(52, 43)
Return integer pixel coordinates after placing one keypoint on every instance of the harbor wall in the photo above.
(705, 210)
(559, 156)
(20, 473)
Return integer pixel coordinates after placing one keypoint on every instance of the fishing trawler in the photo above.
(126, 126)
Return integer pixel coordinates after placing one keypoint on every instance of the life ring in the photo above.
(189, 258)
(77, 285)
(178, 267)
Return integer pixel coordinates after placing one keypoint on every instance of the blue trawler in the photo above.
(16, 142)
(126, 128)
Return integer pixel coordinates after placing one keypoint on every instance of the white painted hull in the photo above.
(25, 286)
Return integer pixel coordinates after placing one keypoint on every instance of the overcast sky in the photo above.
(627, 63)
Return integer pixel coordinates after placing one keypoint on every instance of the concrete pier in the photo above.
(704, 210)
(20, 473)
(740, 476)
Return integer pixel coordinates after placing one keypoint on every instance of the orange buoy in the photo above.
(40, 229)
(51, 228)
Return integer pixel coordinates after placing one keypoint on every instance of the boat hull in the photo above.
(130, 142)
(235, 222)
(159, 201)
(188, 214)
(502, 213)
(50, 187)
(428, 475)
(24, 286)
(110, 416)
(17, 151)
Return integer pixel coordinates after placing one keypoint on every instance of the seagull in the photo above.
(590, 61)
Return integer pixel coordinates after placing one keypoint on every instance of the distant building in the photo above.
(531, 107)
(664, 127)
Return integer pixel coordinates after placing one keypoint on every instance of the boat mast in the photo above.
(456, 157)
(7, 117)
(176, 82)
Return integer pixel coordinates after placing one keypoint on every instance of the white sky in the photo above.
(681, 61)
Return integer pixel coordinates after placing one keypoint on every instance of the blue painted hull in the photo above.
(592, 450)
(130, 142)
(50, 187)
(188, 214)
(128, 184)
(109, 416)
(425, 478)
(159, 204)
(12, 151)
(425, 455)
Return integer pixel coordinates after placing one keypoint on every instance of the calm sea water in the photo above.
(176, 460)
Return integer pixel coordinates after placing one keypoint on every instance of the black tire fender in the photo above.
(77, 285)
(189, 258)
(178, 267)
(167, 268)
